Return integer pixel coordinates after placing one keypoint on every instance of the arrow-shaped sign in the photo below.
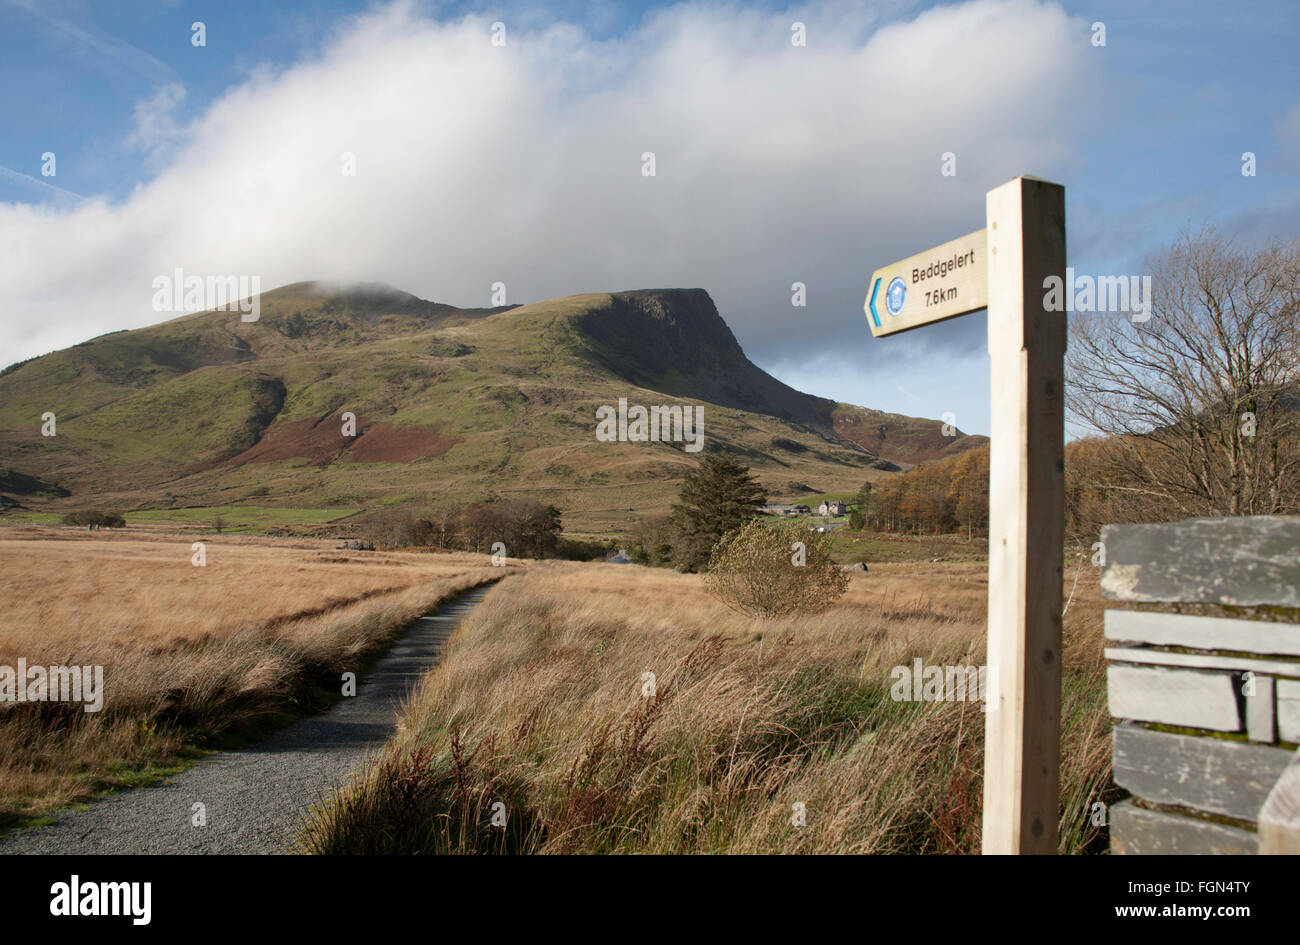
(871, 306)
(943, 282)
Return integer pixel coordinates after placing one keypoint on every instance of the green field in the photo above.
(31, 518)
(235, 518)
(816, 499)
(850, 547)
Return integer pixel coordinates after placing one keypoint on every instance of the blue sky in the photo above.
(75, 71)
(778, 164)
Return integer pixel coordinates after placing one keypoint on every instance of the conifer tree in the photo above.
(718, 497)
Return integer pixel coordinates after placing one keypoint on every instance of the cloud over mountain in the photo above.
(522, 164)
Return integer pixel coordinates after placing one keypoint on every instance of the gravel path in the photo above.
(255, 796)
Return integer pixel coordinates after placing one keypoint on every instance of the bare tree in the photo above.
(1201, 401)
(445, 517)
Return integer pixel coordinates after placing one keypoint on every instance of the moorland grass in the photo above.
(193, 657)
(541, 704)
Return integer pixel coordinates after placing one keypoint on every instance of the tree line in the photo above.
(527, 528)
(941, 496)
(952, 495)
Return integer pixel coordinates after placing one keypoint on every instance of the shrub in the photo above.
(775, 569)
(653, 538)
(94, 517)
(576, 549)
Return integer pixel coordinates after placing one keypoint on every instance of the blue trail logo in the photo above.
(895, 296)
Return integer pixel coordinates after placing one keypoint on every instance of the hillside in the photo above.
(451, 404)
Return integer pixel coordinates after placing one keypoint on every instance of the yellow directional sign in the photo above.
(943, 282)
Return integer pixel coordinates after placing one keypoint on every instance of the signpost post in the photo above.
(1003, 268)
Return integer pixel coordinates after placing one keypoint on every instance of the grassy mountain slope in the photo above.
(450, 404)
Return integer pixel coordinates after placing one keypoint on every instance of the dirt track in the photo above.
(254, 798)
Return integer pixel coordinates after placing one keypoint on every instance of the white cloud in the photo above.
(156, 132)
(522, 164)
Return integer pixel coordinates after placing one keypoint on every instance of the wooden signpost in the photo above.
(1003, 268)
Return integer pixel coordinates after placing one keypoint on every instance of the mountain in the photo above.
(449, 403)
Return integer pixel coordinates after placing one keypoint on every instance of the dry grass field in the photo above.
(541, 705)
(191, 655)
